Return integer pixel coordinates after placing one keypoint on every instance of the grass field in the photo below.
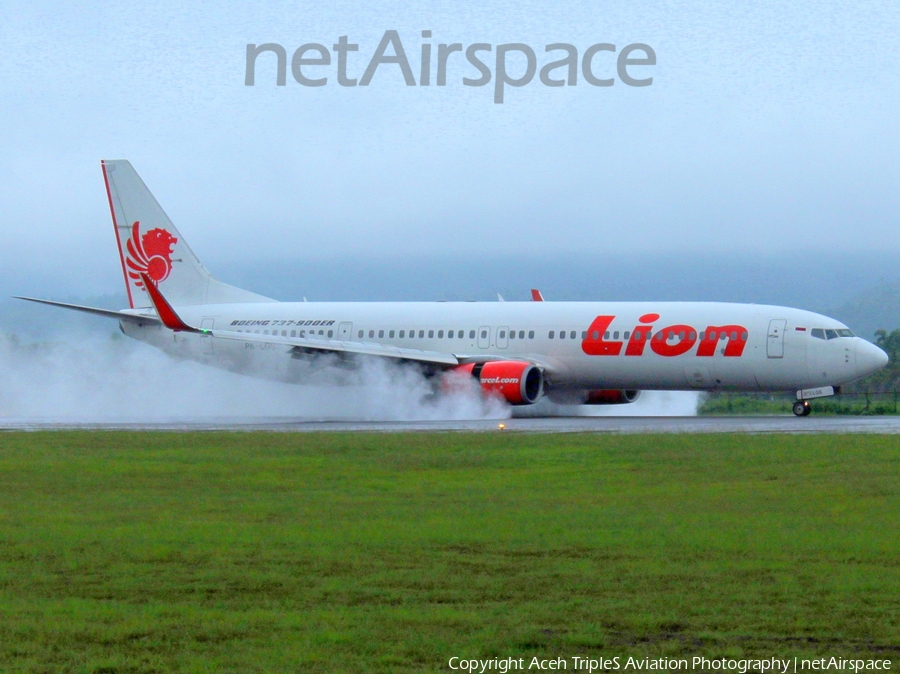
(256, 552)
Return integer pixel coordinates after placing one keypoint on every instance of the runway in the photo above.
(882, 425)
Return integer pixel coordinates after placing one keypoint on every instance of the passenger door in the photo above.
(775, 338)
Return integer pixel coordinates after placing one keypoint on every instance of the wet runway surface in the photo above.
(883, 425)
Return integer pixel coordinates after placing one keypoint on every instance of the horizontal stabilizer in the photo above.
(106, 313)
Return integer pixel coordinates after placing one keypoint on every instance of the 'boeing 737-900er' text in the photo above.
(571, 352)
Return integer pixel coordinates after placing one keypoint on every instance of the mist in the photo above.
(85, 378)
(97, 379)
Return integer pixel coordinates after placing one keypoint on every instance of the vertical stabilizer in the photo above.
(150, 246)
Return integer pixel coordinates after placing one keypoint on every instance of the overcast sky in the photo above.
(769, 128)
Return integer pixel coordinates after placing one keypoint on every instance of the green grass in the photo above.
(858, 404)
(255, 552)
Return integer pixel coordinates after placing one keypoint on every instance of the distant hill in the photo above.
(877, 308)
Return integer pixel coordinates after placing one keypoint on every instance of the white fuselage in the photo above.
(579, 345)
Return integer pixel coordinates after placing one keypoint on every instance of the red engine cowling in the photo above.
(516, 382)
(611, 397)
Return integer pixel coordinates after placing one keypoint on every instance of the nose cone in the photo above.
(869, 358)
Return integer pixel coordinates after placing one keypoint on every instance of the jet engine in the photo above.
(518, 383)
(611, 397)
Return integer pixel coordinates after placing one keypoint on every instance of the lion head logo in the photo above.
(150, 254)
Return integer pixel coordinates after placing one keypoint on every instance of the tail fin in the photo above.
(151, 246)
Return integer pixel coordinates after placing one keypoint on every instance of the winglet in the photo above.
(536, 295)
(164, 310)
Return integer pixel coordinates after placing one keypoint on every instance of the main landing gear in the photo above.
(802, 408)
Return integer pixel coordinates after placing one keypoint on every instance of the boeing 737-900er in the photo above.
(571, 352)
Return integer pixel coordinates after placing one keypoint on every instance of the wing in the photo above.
(297, 345)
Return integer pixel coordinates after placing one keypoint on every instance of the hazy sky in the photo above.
(769, 128)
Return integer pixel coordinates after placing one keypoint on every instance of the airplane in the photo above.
(572, 353)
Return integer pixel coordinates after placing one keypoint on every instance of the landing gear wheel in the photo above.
(802, 408)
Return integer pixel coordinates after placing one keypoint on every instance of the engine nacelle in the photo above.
(611, 397)
(518, 383)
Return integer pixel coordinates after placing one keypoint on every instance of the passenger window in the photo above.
(402, 334)
(330, 334)
(440, 334)
(562, 334)
(692, 335)
(512, 334)
(471, 334)
(712, 335)
(702, 335)
(831, 334)
(681, 336)
(360, 334)
(595, 334)
(371, 333)
(550, 335)
(293, 333)
(531, 334)
(627, 333)
(502, 334)
(380, 334)
(606, 335)
(265, 332)
(572, 334)
(616, 334)
(484, 334)
(521, 334)
(431, 334)
(744, 336)
(391, 334)
(303, 333)
(733, 336)
(723, 336)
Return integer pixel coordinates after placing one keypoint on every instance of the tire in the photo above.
(802, 408)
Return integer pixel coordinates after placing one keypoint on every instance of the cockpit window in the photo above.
(827, 333)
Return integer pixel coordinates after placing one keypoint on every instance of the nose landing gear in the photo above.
(802, 408)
